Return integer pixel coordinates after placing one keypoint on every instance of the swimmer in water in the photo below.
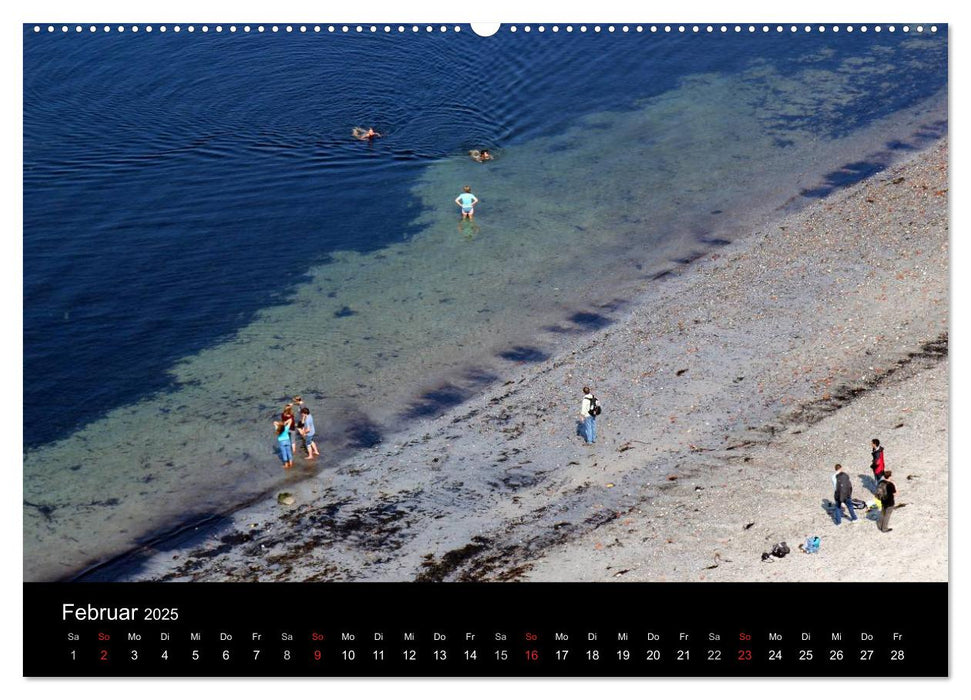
(480, 156)
(364, 135)
(467, 201)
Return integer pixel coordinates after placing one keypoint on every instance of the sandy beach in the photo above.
(730, 388)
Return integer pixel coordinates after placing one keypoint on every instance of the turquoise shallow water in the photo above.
(574, 222)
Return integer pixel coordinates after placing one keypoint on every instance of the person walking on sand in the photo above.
(886, 492)
(283, 443)
(842, 493)
(467, 201)
(876, 464)
(589, 410)
(307, 432)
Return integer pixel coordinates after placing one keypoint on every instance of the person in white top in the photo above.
(589, 420)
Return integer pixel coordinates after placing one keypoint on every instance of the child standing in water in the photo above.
(287, 415)
(467, 201)
(308, 431)
(283, 440)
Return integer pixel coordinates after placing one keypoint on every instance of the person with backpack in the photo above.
(589, 410)
(876, 463)
(842, 493)
(886, 490)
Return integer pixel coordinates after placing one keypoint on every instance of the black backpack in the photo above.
(778, 551)
(844, 488)
(594, 409)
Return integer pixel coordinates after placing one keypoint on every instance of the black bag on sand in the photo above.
(778, 551)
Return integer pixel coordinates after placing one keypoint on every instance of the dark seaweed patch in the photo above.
(689, 258)
(374, 527)
(614, 304)
(930, 353)
(897, 145)
(364, 434)
(523, 353)
(585, 320)
(515, 479)
(590, 321)
(930, 132)
(479, 377)
(42, 508)
(227, 543)
(849, 174)
(195, 530)
(451, 560)
(436, 402)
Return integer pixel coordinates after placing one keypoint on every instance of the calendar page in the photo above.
(515, 349)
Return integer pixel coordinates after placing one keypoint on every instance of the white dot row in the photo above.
(722, 28)
(233, 28)
(345, 29)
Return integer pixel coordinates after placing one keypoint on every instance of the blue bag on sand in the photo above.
(812, 545)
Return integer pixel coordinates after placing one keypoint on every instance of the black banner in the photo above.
(472, 629)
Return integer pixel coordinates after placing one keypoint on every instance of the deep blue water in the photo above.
(175, 184)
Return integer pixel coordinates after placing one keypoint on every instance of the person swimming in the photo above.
(364, 134)
(480, 156)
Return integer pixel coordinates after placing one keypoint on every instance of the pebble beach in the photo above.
(730, 388)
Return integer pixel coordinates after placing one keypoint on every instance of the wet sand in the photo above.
(730, 388)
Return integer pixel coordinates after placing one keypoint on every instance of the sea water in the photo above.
(203, 239)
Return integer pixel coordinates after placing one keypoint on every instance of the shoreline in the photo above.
(730, 362)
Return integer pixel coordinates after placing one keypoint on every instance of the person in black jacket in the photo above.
(889, 490)
(842, 493)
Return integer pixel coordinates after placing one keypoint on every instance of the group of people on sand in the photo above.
(295, 420)
(884, 491)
